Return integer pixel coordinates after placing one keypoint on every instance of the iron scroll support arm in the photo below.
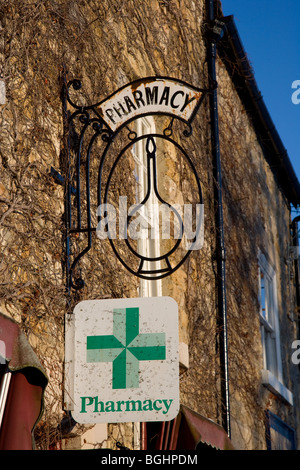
(88, 124)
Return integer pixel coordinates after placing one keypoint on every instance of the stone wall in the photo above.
(257, 218)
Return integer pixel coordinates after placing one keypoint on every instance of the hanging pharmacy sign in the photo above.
(122, 360)
(151, 96)
(113, 142)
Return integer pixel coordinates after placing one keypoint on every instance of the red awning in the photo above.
(23, 405)
(188, 431)
(196, 429)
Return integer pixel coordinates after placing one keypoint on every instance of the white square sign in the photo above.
(125, 364)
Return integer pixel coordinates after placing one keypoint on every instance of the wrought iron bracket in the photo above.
(104, 121)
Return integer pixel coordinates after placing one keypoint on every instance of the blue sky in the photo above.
(270, 33)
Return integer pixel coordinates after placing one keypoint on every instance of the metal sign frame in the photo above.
(183, 105)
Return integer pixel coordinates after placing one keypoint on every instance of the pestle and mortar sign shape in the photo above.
(150, 96)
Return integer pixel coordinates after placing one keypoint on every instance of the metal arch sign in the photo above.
(122, 360)
(104, 123)
(150, 96)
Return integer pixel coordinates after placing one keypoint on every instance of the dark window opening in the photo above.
(279, 435)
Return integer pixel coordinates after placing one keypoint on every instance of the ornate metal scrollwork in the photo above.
(105, 120)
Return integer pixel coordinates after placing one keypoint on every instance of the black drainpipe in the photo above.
(214, 34)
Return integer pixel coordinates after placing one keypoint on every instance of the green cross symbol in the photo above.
(126, 347)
